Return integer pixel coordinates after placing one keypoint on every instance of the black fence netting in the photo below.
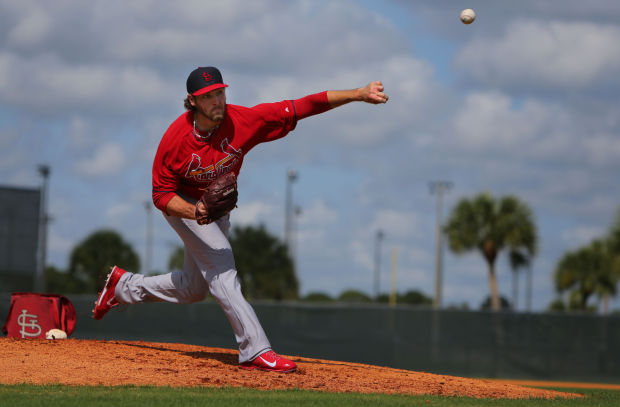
(542, 346)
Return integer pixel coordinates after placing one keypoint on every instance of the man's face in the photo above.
(212, 104)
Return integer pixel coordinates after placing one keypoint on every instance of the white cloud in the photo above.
(61, 86)
(8, 137)
(313, 227)
(490, 122)
(252, 213)
(60, 244)
(6, 73)
(582, 235)
(416, 99)
(80, 131)
(363, 252)
(316, 214)
(487, 120)
(396, 224)
(31, 30)
(116, 213)
(167, 32)
(107, 159)
(557, 54)
(603, 148)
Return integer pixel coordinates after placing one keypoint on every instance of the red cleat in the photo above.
(106, 300)
(271, 362)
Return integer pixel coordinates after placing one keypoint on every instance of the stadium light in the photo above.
(39, 281)
(439, 188)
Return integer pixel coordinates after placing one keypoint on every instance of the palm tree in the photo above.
(614, 235)
(591, 270)
(489, 226)
(585, 272)
(614, 246)
(518, 259)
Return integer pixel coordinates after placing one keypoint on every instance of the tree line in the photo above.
(484, 224)
(264, 267)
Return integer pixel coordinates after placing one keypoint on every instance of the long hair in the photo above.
(188, 105)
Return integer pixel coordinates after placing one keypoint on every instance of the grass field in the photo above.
(130, 396)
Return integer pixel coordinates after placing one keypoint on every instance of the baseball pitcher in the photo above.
(195, 187)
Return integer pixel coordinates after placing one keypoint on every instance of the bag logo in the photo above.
(29, 325)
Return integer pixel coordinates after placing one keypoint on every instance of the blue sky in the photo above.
(523, 101)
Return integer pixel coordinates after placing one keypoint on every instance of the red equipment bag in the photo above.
(31, 315)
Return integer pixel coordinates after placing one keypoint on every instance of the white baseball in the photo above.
(468, 16)
(55, 334)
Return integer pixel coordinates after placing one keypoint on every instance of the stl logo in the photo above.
(29, 325)
(207, 76)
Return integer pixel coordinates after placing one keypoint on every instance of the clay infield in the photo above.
(113, 363)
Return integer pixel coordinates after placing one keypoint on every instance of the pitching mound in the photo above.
(111, 363)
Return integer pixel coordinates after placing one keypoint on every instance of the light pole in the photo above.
(393, 262)
(294, 235)
(39, 281)
(291, 176)
(439, 188)
(378, 237)
(528, 300)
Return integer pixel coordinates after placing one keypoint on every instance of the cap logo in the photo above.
(203, 80)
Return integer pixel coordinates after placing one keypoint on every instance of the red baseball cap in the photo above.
(204, 79)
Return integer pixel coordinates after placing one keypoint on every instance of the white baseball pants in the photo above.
(209, 267)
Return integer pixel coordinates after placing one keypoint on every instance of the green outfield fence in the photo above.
(544, 346)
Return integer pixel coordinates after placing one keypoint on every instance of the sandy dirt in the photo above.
(111, 363)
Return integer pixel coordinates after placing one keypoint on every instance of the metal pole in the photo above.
(293, 248)
(439, 188)
(149, 238)
(529, 288)
(291, 176)
(378, 237)
(393, 262)
(39, 281)
(515, 290)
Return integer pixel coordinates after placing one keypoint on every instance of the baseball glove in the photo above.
(219, 198)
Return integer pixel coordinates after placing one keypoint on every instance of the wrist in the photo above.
(359, 95)
(180, 208)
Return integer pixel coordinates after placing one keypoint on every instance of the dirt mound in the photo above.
(110, 363)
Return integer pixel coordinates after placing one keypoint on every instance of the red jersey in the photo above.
(185, 163)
